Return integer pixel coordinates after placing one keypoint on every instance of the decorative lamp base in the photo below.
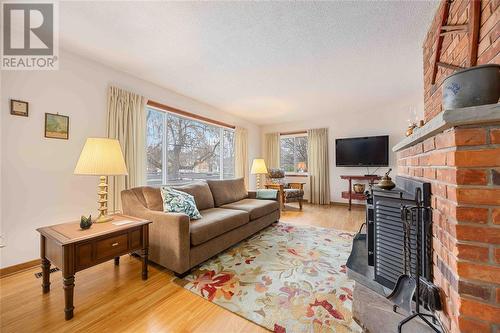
(103, 218)
(103, 201)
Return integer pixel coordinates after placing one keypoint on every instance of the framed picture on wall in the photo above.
(56, 126)
(18, 108)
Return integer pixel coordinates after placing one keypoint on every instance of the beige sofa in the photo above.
(230, 214)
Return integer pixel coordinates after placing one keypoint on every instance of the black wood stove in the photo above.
(386, 235)
(395, 253)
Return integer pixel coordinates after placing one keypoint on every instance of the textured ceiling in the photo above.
(267, 62)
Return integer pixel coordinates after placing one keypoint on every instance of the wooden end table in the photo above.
(72, 249)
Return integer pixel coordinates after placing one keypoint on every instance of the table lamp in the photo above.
(301, 166)
(258, 168)
(101, 157)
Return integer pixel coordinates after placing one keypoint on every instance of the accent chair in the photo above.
(288, 191)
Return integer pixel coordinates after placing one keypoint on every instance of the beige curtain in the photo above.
(318, 165)
(272, 150)
(126, 122)
(241, 154)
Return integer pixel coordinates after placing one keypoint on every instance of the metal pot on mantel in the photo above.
(473, 86)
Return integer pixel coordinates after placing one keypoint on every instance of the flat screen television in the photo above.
(369, 151)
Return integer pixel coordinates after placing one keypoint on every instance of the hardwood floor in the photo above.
(337, 217)
(111, 298)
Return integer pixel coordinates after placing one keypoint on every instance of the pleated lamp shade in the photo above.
(101, 157)
(258, 166)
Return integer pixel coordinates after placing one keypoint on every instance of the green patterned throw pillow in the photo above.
(175, 201)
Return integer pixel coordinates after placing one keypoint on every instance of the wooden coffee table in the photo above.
(72, 249)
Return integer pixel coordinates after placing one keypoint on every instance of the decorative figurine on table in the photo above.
(86, 222)
(386, 182)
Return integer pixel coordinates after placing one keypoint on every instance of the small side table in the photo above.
(72, 249)
(357, 196)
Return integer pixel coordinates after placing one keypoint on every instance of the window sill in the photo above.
(296, 174)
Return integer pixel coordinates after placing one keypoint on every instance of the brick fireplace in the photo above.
(462, 165)
(459, 154)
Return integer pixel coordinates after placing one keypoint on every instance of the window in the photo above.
(180, 149)
(293, 153)
(154, 147)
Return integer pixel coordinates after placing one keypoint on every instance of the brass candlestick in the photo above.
(409, 130)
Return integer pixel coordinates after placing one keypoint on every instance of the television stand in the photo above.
(350, 194)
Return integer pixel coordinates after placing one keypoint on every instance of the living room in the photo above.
(250, 166)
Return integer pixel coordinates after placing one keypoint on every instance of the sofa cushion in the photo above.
(175, 201)
(201, 193)
(266, 194)
(215, 222)
(153, 198)
(227, 190)
(255, 207)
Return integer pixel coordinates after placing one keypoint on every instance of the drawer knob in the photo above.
(114, 244)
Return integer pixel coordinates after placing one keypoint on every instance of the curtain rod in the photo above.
(293, 132)
(188, 114)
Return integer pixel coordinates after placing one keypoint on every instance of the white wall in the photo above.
(1, 168)
(38, 187)
(390, 120)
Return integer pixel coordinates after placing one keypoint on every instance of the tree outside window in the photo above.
(190, 149)
(293, 153)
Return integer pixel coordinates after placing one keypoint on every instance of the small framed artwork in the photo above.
(18, 108)
(56, 126)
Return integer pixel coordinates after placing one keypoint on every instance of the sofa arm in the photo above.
(169, 239)
(253, 195)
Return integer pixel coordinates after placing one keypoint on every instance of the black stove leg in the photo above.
(404, 321)
(422, 316)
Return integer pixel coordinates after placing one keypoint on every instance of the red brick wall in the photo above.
(456, 47)
(463, 167)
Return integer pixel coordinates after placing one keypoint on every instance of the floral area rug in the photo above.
(287, 278)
